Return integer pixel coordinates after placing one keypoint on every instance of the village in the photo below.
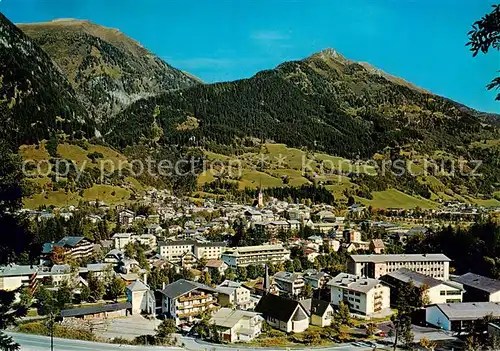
(274, 273)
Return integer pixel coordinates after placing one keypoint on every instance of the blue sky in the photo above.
(419, 40)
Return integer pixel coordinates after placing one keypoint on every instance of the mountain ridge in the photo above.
(107, 68)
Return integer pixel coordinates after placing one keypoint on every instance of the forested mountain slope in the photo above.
(108, 69)
(324, 102)
(36, 100)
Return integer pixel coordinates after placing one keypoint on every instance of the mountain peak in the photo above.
(329, 54)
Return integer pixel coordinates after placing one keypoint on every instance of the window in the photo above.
(442, 293)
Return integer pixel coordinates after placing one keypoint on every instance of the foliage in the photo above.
(60, 331)
(485, 34)
(165, 330)
(476, 246)
(116, 288)
(96, 286)
(9, 312)
(85, 293)
(427, 344)
(36, 108)
(342, 315)
(307, 292)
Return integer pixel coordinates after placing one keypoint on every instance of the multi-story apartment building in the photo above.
(120, 240)
(236, 295)
(374, 266)
(288, 283)
(210, 251)
(76, 247)
(173, 251)
(253, 255)
(364, 296)
(13, 277)
(184, 300)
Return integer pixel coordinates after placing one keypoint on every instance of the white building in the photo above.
(173, 251)
(364, 296)
(210, 251)
(121, 240)
(237, 326)
(436, 292)
(13, 276)
(234, 294)
(375, 266)
(289, 283)
(253, 255)
(141, 298)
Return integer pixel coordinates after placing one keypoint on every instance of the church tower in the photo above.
(260, 198)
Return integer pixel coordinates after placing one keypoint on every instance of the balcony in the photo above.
(194, 305)
(195, 313)
(194, 297)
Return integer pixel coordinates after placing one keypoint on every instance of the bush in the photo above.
(60, 331)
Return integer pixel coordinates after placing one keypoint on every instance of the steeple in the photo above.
(266, 281)
(260, 197)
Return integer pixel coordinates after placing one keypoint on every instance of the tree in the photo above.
(202, 263)
(371, 328)
(205, 278)
(297, 266)
(85, 293)
(289, 266)
(242, 273)
(428, 344)
(96, 286)
(229, 274)
(343, 315)
(307, 292)
(25, 297)
(47, 303)
(116, 288)
(9, 312)
(165, 330)
(252, 272)
(485, 34)
(64, 296)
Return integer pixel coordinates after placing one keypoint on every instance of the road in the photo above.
(30, 342)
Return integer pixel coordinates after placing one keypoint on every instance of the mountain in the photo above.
(108, 69)
(324, 102)
(36, 101)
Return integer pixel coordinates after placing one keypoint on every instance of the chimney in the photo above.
(146, 278)
(163, 286)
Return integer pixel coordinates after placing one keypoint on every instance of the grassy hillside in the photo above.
(49, 190)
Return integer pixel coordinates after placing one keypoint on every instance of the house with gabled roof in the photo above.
(237, 325)
(141, 298)
(284, 314)
(320, 312)
(184, 300)
(479, 288)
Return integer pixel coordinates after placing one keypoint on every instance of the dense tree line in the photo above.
(475, 249)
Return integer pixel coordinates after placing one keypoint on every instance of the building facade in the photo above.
(374, 266)
(253, 255)
(364, 296)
